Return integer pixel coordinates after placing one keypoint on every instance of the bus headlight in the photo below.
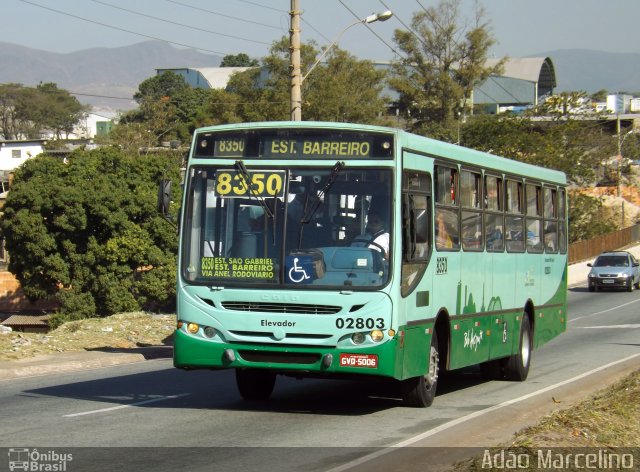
(376, 335)
(209, 332)
(357, 338)
(193, 328)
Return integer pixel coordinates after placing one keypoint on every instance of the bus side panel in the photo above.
(417, 340)
(474, 330)
(551, 318)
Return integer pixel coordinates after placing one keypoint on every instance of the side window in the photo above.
(416, 228)
(493, 216)
(514, 217)
(562, 222)
(447, 225)
(470, 200)
(550, 197)
(534, 217)
(447, 185)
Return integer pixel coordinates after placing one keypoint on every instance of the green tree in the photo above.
(570, 146)
(340, 89)
(87, 232)
(167, 84)
(238, 60)
(12, 125)
(600, 95)
(28, 111)
(60, 110)
(445, 58)
(564, 104)
(588, 217)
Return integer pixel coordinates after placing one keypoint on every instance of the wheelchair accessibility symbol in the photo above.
(300, 270)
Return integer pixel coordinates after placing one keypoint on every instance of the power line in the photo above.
(371, 29)
(122, 29)
(262, 6)
(176, 23)
(224, 15)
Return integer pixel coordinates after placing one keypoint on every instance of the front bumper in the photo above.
(193, 353)
(610, 282)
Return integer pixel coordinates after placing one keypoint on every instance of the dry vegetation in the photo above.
(607, 421)
(122, 331)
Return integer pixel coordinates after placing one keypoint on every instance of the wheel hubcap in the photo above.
(434, 361)
(526, 348)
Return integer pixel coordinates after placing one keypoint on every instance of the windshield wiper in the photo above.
(312, 207)
(242, 169)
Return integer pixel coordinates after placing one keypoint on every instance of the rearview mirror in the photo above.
(164, 197)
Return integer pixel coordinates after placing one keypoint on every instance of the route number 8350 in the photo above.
(230, 183)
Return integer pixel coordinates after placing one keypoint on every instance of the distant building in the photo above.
(523, 83)
(14, 152)
(205, 77)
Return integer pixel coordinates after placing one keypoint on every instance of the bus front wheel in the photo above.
(420, 391)
(255, 384)
(517, 366)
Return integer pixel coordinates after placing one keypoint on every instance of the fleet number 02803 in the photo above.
(360, 323)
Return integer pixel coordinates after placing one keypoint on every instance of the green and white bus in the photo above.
(283, 271)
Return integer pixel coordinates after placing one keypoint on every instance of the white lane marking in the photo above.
(119, 407)
(623, 326)
(463, 419)
(604, 311)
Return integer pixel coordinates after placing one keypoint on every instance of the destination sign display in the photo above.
(229, 183)
(295, 144)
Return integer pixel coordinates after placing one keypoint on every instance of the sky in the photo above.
(521, 27)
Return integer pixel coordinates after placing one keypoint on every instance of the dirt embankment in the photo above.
(122, 331)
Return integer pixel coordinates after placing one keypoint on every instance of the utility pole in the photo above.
(294, 50)
(619, 157)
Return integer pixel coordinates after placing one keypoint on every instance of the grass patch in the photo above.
(607, 423)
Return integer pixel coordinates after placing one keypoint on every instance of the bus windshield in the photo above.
(317, 227)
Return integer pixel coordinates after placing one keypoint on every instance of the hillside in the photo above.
(117, 72)
(108, 72)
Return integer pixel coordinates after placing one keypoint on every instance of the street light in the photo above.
(384, 16)
(296, 79)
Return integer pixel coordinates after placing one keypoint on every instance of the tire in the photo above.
(517, 366)
(630, 285)
(637, 284)
(592, 288)
(420, 391)
(255, 384)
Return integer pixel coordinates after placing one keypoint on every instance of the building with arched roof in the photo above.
(522, 83)
(205, 77)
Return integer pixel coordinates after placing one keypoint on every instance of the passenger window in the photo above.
(470, 189)
(446, 185)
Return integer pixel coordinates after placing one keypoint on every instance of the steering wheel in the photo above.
(368, 243)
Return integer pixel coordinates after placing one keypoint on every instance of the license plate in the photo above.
(608, 281)
(359, 360)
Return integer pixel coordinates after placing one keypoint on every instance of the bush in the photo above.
(87, 232)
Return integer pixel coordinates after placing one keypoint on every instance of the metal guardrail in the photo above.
(590, 248)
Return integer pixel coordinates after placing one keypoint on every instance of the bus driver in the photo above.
(377, 234)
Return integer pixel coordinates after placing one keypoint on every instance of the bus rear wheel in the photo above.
(517, 366)
(420, 391)
(255, 384)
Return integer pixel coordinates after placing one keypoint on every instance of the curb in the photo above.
(80, 360)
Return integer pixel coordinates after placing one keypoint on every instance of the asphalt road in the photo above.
(173, 418)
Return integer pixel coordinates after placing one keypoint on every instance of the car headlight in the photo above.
(592, 275)
(624, 275)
